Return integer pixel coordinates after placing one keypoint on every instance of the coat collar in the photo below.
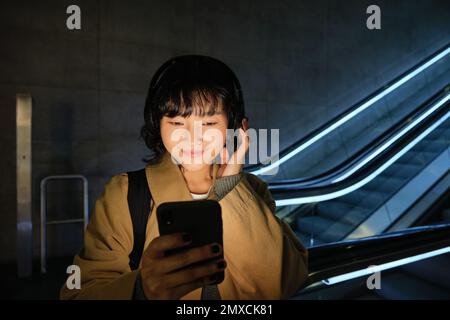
(166, 182)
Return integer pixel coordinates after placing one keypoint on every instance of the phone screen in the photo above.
(202, 219)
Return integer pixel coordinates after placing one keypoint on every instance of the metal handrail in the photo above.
(349, 113)
(45, 223)
(343, 257)
(287, 194)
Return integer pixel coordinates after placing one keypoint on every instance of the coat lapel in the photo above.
(166, 182)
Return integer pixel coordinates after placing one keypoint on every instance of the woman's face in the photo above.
(194, 141)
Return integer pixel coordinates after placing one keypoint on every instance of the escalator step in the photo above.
(387, 184)
(365, 198)
(432, 146)
(413, 157)
(313, 224)
(308, 240)
(336, 232)
(322, 229)
(342, 211)
(401, 170)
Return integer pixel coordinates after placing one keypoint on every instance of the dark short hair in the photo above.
(176, 88)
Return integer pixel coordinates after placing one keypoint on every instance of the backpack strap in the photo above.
(139, 198)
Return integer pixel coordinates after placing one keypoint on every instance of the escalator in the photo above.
(342, 136)
(405, 123)
(336, 219)
(361, 191)
(424, 280)
(425, 277)
(368, 193)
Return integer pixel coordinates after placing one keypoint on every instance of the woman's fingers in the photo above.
(233, 164)
(157, 248)
(243, 148)
(162, 275)
(236, 161)
(188, 257)
(187, 275)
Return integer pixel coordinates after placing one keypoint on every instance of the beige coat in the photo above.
(264, 258)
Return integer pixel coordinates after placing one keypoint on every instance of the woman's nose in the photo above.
(196, 132)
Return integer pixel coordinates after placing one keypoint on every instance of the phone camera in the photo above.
(169, 218)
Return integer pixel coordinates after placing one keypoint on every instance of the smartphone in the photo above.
(202, 219)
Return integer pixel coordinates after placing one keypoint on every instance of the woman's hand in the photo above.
(172, 277)
(233, 165)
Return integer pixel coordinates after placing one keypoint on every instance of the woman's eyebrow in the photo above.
(206, 114)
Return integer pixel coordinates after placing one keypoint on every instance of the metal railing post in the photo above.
(45, 223)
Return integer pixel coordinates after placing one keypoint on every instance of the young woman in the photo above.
(192, 102)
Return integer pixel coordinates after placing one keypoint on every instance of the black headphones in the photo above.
(194, 59)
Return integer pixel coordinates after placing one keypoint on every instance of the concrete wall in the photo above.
(297, 60)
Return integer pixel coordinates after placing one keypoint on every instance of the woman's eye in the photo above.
(176, 123)
(210, 123)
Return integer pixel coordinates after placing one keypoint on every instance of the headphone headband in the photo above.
(170, 63)
(192, 59)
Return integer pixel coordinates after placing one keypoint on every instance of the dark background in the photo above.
(300, 63)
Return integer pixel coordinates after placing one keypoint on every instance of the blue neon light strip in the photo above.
(393, 139)
(352, 114)
(385, 266)
(373, 175)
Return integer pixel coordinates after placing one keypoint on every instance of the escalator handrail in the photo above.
(326, 177)
(296, 195)
(334, 259)
(437, 55)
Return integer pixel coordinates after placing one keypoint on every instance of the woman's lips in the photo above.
(193, 153)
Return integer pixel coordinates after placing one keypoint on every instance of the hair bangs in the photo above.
(197, 101)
